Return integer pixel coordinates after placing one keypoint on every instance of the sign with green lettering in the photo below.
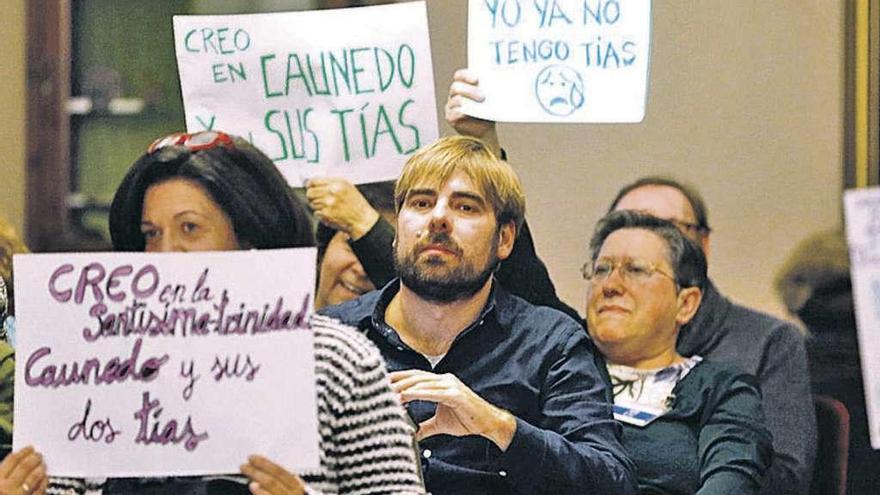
(345, 92)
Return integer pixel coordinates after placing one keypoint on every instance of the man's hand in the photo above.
(338, 204)
(460, 411)
(23, 472)
(464, 86)
(268, 478)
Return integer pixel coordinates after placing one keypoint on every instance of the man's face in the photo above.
(667, 203)
(633, 315)
(448, 241)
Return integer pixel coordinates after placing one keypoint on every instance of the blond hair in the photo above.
(435, 163)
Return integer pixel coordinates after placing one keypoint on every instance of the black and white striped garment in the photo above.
(366, 437)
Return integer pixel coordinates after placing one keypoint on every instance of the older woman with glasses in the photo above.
(690, 426)
(210, 191)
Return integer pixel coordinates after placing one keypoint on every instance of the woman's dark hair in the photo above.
(243, 182)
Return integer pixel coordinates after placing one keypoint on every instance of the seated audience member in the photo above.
(346, 264)
(209, 191)
(509, 396)
(340, 206)
(690, 426)
(814, 283)
(769, 348)
(10, 244)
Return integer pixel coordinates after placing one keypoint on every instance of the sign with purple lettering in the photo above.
(862, 207)
(134, 364)
(344, 92)
(560, 60)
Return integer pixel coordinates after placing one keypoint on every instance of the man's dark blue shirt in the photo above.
(534, 362)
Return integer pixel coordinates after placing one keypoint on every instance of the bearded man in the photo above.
(508, 396)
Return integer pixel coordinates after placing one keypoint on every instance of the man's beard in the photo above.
(455, 284)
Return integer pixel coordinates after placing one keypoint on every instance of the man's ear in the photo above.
(688, 303)
(506, 238)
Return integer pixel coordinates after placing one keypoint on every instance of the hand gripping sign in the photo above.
(133, 364)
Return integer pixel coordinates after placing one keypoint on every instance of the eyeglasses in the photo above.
(196, 141)
(630, 270)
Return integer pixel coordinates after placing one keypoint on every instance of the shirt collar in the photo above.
(386, 294)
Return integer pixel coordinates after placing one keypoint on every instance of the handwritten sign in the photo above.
(862, 208)
(133, 364)
(560, 60)
(346, 92)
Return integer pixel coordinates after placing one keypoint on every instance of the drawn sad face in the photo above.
(560, 90)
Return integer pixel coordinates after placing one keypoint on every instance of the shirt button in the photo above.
(427, 453)
(502, 473)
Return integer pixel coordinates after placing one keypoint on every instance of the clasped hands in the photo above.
(460, 411)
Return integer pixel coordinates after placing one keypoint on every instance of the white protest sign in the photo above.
(560, 60)
(134, 364)
(862, 209)
(346, 92)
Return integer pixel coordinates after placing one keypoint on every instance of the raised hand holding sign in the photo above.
(559, 60)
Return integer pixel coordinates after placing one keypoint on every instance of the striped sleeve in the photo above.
(66, 486)
(367, 438)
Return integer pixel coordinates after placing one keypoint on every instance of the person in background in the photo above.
(690, 425)
(10, 245)
(210, 191)
(346, 267)
(769, 348)
(509, 396)
(814, 284)
(21, 472)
